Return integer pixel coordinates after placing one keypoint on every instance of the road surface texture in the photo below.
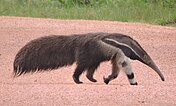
(56, 87)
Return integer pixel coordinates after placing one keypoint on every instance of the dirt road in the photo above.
(56, 88)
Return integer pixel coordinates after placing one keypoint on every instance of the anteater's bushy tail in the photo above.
(45, 53)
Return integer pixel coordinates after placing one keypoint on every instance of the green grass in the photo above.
(161, 12)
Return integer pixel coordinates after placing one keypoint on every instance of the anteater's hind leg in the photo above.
(81, 68)
(90, 72)
(78, 71)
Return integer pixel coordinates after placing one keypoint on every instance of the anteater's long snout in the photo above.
(156, 69)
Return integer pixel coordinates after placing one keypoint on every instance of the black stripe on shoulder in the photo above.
(127, 50)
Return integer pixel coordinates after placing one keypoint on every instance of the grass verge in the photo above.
(147, 11)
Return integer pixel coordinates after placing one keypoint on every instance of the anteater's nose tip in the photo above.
(163, 79)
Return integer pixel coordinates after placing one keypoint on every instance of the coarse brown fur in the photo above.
(87, 50)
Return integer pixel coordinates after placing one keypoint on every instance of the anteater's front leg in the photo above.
(115, 72)
(126, 65)
(121, 61)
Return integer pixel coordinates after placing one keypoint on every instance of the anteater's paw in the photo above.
(77, 81)
(134, 83)
(106, 80)
(91, 79)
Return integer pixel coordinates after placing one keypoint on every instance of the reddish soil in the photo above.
(56, 88)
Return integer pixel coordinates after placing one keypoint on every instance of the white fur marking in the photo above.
(132, 81)
(129, 70)
(122, 44)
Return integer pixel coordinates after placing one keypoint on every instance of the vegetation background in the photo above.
(162, 12)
